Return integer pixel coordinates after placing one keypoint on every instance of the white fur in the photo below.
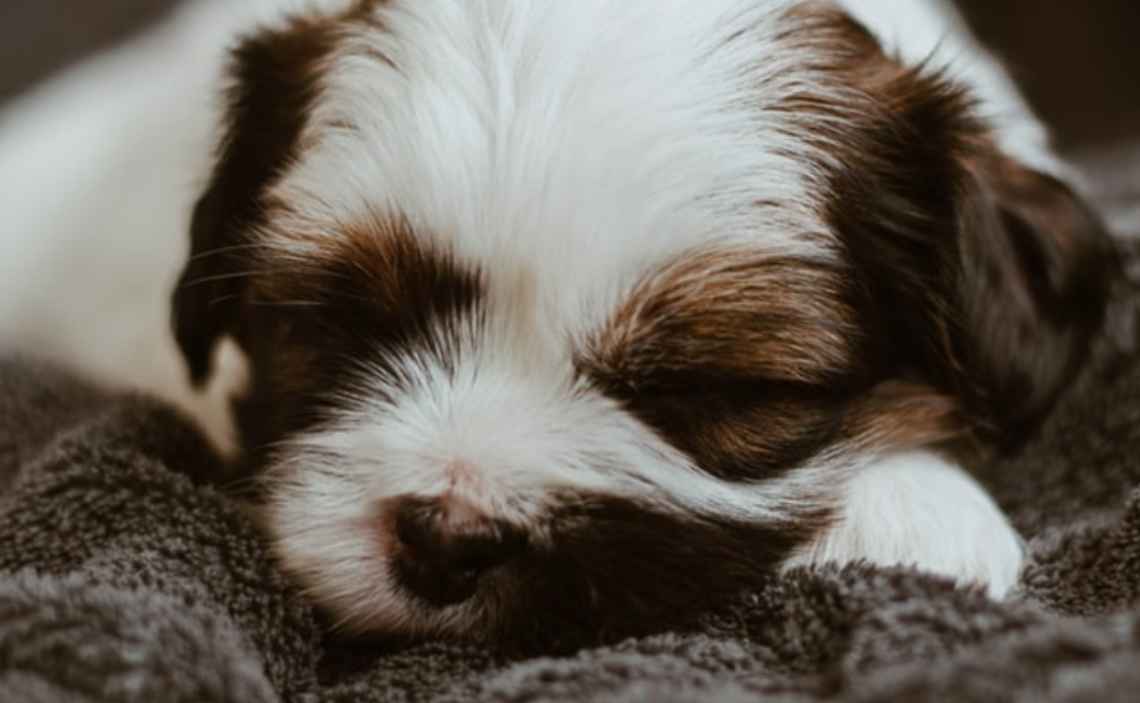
(917, 509)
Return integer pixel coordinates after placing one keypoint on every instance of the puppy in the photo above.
(563, 317)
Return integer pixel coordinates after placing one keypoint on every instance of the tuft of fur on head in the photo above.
(652, 283)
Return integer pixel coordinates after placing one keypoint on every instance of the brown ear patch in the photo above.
(978, 275)
(275, 77)
(1037, 266)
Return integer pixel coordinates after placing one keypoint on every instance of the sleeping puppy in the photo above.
(565, 316)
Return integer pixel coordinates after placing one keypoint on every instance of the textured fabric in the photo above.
(127, 575)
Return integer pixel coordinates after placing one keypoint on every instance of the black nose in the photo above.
(446, 548)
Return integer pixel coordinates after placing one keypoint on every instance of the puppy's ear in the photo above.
(983, 277)
(1035, 265)
(275, 78)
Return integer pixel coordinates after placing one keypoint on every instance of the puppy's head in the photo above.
(566, 316)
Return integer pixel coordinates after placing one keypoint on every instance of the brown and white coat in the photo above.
(565, 316)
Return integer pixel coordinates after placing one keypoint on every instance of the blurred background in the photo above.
(1078, 62)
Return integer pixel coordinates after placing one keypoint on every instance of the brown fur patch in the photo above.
(732, 315)
(316, 328)
(276, 76)
(899, 415)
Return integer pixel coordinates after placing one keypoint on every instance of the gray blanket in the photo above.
(126, 575)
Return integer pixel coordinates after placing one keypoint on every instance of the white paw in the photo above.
(919, 510)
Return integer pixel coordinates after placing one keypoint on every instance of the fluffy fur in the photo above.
(672, 292)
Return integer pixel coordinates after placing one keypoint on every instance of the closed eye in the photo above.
(732, 427)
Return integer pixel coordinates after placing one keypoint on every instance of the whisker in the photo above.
(225, 250)
(223, 299)
(218, 277)
(243, 483)
(286, 303)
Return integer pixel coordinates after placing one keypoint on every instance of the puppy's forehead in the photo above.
(569, 148)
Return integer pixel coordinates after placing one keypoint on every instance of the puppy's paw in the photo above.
(917, 509)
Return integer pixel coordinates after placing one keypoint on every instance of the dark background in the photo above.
(1079, 62)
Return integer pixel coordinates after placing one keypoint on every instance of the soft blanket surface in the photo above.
(127, 575)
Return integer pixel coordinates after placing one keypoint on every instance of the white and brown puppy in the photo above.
(563, 316)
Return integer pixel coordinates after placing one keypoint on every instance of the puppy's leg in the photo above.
(917, 509)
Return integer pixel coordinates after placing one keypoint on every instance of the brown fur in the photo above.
(316, 327)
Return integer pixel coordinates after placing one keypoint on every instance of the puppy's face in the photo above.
(566, 316)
